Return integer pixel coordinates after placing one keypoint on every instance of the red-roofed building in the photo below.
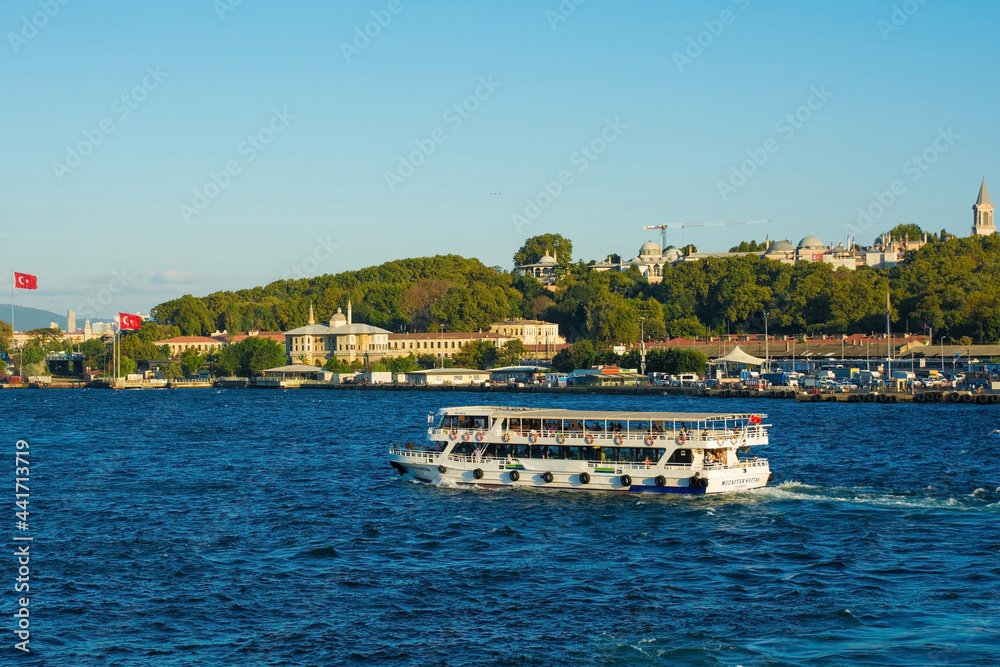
(444, 345)
(181, 344)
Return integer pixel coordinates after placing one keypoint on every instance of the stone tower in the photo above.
(982, 214)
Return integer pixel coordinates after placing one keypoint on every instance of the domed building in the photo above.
(545, 270)
(782, 251)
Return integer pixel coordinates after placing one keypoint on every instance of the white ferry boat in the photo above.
(653, 452)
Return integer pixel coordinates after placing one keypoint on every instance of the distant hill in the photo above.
(26, 318)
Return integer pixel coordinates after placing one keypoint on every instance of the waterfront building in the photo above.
(200, 344)
(441, 345)
(314, 343)
(440, 376)
(530, 332)
(982, 213)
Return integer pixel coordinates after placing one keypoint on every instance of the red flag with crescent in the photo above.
(754, 419)
(126, 321)
(25, 281)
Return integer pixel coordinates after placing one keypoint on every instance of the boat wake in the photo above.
(980, 500)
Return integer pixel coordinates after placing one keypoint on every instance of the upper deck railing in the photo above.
(706, 438)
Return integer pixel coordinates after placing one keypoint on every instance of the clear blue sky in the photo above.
(323, 175)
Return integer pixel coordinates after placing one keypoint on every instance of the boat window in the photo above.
(515, 424)
(617, 426)
(680, 456)
(572, 453)
(479, 422)
(521, 451)
(638, 427)
(573, 426)
(609, 454)
(593, 425)
(592, 453)
(551, 425)
(532, 424)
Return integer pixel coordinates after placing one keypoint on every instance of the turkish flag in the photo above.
(754, 419)
(127, 321)
(25, 281)
(817, 258)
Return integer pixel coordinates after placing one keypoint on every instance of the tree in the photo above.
(335, 365)
(481, 354)
(510, 353)
(32, 355)
(903, 232)
(172, 371)
(94, 351)
(251, 355)
(686, 327)
(580, 355)
(6, 336)
(192, 362)
(426, 361)
(545, 244)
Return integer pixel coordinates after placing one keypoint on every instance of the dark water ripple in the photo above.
(183, 528)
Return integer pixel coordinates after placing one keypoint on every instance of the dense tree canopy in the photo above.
(950, 285)
(545, 244)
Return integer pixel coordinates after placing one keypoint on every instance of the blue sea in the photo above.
(228, 527)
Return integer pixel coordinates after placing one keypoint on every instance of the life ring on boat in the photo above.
(453, 435)
(589, 439)
(560, 438)
(626, 480)
(720, 441)
(514, 475)
(660, 480)
(619, 440)
(532, 437)
(584, 478)
(442, 469)
(649, 440)
(478, 473)
(547, 477)
(466, 437)
(681, 438)
(480, 436)
(734, 439)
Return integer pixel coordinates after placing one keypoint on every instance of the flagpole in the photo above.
(12, 315)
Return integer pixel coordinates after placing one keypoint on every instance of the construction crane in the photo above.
(680, 225)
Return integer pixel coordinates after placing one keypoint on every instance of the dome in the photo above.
(672, 255)
(811, 242)
(780, 246)
(649, 248)
(548, 259)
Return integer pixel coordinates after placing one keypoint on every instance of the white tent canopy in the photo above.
(738, 356)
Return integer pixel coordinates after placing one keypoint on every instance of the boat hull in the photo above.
(596, 477)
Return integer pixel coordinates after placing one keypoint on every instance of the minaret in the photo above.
(349, 321)
(982, 214)
(312, 320)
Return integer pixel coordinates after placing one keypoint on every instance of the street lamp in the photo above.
(766, 348)
(642, 345)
